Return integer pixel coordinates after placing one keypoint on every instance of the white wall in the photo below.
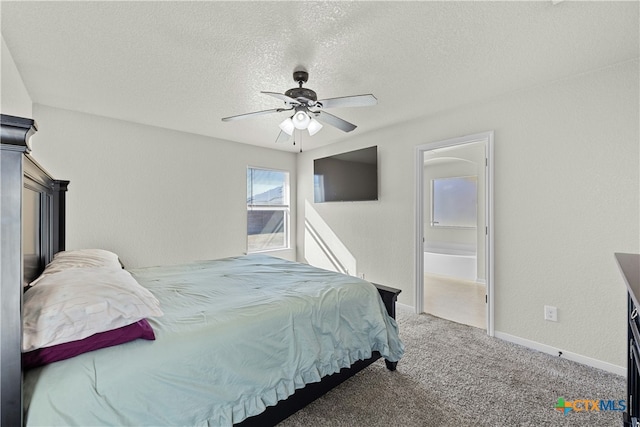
(566, 198)
(14, 98)
(151, 195)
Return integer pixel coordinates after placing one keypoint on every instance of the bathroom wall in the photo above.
(458, 161)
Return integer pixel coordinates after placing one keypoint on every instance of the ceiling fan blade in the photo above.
(282, 97)
(334, 121)
(349, 101)
(283, 137)
(256, 113)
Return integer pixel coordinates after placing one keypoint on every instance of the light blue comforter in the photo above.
(238, 334)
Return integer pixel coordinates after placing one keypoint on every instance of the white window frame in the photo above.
(285, 207)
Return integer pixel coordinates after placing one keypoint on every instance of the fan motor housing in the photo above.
(301, 92)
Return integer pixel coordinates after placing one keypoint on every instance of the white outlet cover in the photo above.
(550, 313)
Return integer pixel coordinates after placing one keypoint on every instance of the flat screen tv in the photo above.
(346, 177)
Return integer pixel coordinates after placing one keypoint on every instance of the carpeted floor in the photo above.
(455, 375)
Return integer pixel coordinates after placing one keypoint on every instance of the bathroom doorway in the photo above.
(453, 239)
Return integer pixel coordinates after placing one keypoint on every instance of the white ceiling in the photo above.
(185, 65)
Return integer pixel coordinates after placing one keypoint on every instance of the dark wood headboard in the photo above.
(32, 210)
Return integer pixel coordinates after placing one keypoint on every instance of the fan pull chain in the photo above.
(299, 133)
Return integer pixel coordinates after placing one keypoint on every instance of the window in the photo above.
(267, 210)
(454, 202)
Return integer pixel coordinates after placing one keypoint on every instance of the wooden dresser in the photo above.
(630, 268)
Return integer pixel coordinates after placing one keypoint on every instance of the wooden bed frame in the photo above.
(32, 206)
(32, 210)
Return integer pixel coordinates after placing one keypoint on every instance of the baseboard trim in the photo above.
(405, 307)
(544, 348)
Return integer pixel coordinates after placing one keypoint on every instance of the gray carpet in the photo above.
(455, 375)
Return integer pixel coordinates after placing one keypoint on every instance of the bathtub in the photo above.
(451, 260)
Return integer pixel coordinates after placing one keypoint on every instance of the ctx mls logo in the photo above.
(590, 405)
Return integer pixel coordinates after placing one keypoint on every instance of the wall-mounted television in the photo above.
(346, 177)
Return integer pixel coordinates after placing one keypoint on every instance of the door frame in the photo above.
(487, 138)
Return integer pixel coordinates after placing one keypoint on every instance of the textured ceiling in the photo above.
(185, 65)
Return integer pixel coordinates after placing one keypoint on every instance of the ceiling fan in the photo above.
(308, 109)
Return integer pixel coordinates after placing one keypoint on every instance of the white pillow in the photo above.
(81, 258)
(74, 304)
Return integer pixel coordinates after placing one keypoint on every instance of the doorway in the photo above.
(454, 230)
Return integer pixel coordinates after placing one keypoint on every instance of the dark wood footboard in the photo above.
(302, 397)
(389, 296)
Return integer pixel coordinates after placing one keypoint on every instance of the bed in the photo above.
(236, 343)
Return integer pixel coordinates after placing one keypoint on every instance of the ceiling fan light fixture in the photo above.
(301, 120)
(287, 126)
(302, 100)
(314, 127)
